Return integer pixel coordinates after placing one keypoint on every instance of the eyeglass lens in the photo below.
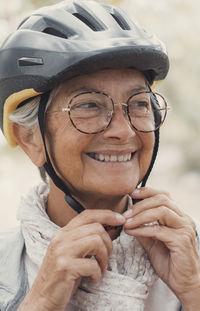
(91, 112)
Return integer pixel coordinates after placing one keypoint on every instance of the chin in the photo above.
(118, 189)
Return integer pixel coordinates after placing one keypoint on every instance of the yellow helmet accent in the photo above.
(11, 103)
(155, 84)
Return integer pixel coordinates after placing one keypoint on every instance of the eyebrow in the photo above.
(134, 90)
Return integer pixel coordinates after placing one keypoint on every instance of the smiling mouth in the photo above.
(111, 158)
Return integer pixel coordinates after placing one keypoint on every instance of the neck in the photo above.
(61, 213)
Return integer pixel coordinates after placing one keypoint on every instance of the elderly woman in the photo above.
(75, 85)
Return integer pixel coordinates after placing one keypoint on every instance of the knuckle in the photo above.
(60, 263)
(191, 222)
(189, 235)
(163, 210)
(53, 250)
(167, 194)
(96, 239)
(56, 237)
(99, 228)
(94, 262)
(162, 197)
(85, 214)
(102, 254)
(63, 264)
(157, 231)
(56, 243)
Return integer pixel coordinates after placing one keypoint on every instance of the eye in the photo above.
(139, 108)
(87, 109)
(86, 106)
(139, 105)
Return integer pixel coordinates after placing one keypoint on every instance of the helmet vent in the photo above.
(121, 21)
(55, 32)
(94, 26)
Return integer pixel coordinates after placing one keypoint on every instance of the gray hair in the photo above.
(27, 116)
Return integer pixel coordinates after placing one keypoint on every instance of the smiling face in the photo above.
(110, 163)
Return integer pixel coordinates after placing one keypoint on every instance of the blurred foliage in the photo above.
(39, 3)
(176, 22)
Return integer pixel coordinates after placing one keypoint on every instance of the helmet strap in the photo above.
(155, 151)
(154, 155)
(75, 205)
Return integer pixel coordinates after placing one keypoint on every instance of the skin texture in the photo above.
(171, 245)
(70, 146)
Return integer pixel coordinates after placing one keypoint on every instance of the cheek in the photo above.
(148, 140)
(66, 148)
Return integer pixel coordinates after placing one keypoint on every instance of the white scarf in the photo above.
(124, 286)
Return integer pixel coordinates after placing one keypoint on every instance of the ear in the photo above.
(30, 141)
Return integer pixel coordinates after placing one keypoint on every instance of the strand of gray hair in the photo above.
(27, 116)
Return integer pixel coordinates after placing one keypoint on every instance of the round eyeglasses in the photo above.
(91, 112)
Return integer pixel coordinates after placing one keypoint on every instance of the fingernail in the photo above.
(119, 217)
(129, 220)
(128, 213)
(136, 191)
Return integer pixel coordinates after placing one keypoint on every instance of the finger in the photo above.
(82, 248)
(104, 217)
(146, 192)
(86, 268)
(84, 231)
(153, 202)
(157, 250)
(162, 215)
(91, 246)
(183, 238)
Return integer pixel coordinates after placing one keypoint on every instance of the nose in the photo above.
(120, 127)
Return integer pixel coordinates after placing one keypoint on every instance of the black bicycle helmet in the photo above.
(68, 39)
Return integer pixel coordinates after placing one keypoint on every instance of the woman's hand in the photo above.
(79, 249)
(170, 244)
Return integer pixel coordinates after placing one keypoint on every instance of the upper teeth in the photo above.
(113, 158)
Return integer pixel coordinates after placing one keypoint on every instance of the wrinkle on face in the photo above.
(68, 147)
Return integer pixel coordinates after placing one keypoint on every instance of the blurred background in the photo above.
(177, 170)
